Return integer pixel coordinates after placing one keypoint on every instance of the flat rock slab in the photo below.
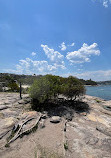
(50, 138)
(10, 113)
(87, 139)
(6, 125)
(103, 129)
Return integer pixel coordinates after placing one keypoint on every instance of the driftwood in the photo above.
(30, 121)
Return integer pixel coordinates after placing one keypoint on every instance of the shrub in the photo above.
(50, 86)
(55, 83)
(13, 87)
(72, 88)
(41, 90)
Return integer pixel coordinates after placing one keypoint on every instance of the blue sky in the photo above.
(60, 37)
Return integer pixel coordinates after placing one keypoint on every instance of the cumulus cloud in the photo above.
(63, 46)
(29, 66)
(83, 54)
(105, 3)
(99, 75)
(54, 56)
(33, 53)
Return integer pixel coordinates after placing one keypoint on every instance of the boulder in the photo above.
(55, 119)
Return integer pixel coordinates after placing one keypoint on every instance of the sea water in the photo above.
(102, 91)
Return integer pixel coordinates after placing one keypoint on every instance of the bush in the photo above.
(72, 88)
(13, 87)
(49, 87)
(41, 90)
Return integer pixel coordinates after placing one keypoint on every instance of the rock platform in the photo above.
(87, 134)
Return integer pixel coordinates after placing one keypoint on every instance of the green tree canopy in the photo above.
(72, 87)
(51, 86)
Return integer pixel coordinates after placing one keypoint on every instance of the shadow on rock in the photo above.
(62, 108)
(82, 107)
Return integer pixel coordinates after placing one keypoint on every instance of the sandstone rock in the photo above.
(2, 107)
(42, 124)
(6, 125)
(21, 102)
(104, 130)
(27, 100)
(1, 115)
(44, 116)
(9, 113)
(55, 119)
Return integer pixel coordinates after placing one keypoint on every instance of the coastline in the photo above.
(103, 92)
(88, 129)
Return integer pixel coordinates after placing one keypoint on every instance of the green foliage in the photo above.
(13, 87)
(49, 87)
(72, 88)
(7, 145)
(55, 84)
(98, 101)
(41, 90)
(88, 82)
(66, 146)
(25, 79)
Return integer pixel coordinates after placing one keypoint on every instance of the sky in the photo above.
(59, 37)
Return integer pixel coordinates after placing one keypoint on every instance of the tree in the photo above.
(41, 90)
(50, 86)
(72, 88)
(55, 83)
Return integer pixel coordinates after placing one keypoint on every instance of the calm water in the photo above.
(99, 91)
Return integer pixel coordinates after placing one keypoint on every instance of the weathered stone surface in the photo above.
(55, 119)
(88, 135)
(103, 129)
(42, 123)
(6, 125)
(21, 102)
(9, 113)
(2, 107)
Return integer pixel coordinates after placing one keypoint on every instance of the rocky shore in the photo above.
(61, 132)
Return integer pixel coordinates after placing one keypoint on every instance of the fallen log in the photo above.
(26, 125)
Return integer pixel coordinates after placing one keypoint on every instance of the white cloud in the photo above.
(83, 54)
(29, 66)
(105, 3)
(54, 56)
(99, 75)
(63, 46)
(33, 53)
